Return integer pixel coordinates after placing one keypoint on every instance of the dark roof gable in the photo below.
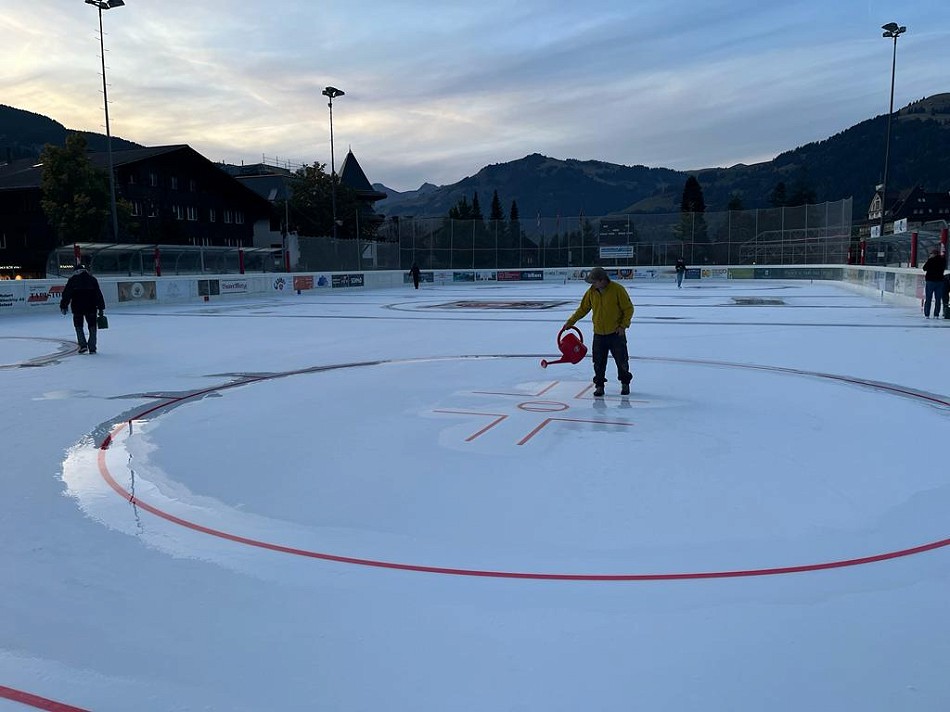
(352, 176)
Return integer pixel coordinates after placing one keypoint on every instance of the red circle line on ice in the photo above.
(929, 398)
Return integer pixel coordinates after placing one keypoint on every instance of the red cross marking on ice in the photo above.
(530, 406)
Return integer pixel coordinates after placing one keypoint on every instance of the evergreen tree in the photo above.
(778, 198)
(514, 228)
(692, 227)
(496, 211)
(802, 191)
(735, 202)
(692, 201)
(476, 208)
(461, 210)
(75, 194)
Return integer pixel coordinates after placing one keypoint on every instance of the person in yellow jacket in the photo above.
(612, 313)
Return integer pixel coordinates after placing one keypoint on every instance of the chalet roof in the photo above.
(917, 197)
(352, 176)
(27, 173)
(269, 187)
(23, 173)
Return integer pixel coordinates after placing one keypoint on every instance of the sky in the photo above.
(436, 91)
(171, 506)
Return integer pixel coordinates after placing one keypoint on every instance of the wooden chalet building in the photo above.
(174, 195)
(915, 205)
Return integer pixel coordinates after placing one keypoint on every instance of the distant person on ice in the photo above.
(613, 311)
(680, 272)
(415, 274)
(933, 289)
(82, 291)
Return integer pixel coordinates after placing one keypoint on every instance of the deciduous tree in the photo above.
(75, 194)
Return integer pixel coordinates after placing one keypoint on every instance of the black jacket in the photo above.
(680, 265)
(934, 268)
(82, 290)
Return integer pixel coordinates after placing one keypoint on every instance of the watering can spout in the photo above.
(571, 346)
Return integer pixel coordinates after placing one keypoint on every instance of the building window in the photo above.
(228, 217)
(193, 185)
(152, 211)
(153, 180)
(211, 215)
(179, 212)
(3, 240)
(132, 179)
(192, 213)
(174, 182)
(136, 209)
(239, 217)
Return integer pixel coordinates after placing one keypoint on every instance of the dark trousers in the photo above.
(933, 292)
(90, 319)
(615, 345)
(415, 282)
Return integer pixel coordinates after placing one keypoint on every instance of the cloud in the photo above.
(435, 92)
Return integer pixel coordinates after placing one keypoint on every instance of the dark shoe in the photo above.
(599, 392)
(92, 351)
(83, 349)
(625, 389)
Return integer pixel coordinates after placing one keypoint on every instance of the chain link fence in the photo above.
(807, 234)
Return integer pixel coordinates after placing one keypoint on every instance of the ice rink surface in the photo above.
(378, 500)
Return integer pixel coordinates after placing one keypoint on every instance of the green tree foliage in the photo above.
(311, 204)
(514, 223)
(75, 193)
(735, 202)
(802, 191)
(778, 198)
(462, 210)
(692, 201)
(692, 227)
(476, 208)
(496, 215)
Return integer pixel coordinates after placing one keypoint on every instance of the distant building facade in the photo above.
(174, 195)
(915, 205)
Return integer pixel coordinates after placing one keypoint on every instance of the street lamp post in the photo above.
(891, 29)
(107, 5)
(332, 93)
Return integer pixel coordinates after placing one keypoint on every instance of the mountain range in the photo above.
(848, 164)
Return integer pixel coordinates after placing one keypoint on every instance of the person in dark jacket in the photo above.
(680, 271)
(82, 291)
(933, 289)
(946, 296)
(415, 274)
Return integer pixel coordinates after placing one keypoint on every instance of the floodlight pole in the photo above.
(331, 93)
(101, 5)
(891, 29)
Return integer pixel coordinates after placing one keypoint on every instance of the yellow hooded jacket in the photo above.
(612, 308)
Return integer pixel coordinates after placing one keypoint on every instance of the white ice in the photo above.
(372, 500)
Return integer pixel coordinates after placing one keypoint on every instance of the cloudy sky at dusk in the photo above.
(436, 91)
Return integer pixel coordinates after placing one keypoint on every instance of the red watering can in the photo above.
(571, 346)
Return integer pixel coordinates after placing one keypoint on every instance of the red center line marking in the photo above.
(488, 427)
(740, 573)
(40, 703)
(545, 576)
(544, 422)
(520, 395)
